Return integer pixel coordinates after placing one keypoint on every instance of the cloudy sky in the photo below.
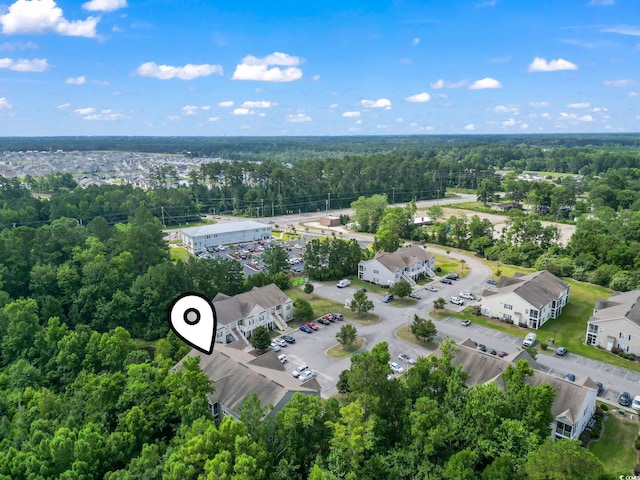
(331, 67)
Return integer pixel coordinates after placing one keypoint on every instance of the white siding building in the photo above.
(239, 315)
(199, 238)
(388, 269)
(615, 323)
(526, 300)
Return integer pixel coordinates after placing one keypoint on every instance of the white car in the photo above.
(396, 367)
(456, 300)
(306, 375)
(274, 346)
(280, 342)
(283, 358)
(430, 288)
(529, 340)
(296, 373)
(467, 295)
(344, 283)
(415, 295)
(407, 359)
(636, 403)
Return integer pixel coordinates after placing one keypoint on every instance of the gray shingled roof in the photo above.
(538, 288)
(482, 368)
(401, 259)
(218, 228)
(231, 309)
(236, 374)
(619, 305)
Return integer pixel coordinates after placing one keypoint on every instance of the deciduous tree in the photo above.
(423, 328)
(347, 335)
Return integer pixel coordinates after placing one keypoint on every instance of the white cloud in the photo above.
(419, 98)
(13, 46)
(514, 109)
(399, 120)
(545, 115)
(315, 78)
(76, 80)
(102, 83)
(42, 16)
(187, 72)
(623, 30)
(205, 107)
(259, 104)
(509, 123)
(4, 104)
(579, 105)
(440, 83)
(298, 118)
(415, 41)
(470, 127)
(487, 3)
(105, 115)
(84, 111)
(633, 94)
(540, 64)
(189, 110)
(585, 118)
(601, 3)
(619, 83)
(380, 103)
(539, 104)
(351, 114)
(213, 119)
(104, 5)
(333, 105)
(25, 65)
(253, 68)
(242, 111)
(63, 106)
(358, 122)
(226, 104)
(485, 83)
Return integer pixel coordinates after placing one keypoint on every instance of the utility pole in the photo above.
(162, 209)
(393, 198)
(328, 201)
(262, 202)
(272, 214)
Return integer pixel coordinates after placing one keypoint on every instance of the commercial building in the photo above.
(199, 238)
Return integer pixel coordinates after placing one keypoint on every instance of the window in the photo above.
(563, 430)
(625, 336)
(376, 271)
(591, 339)
(624, 348)
(508, 307)
(533, 313)
(251, 321)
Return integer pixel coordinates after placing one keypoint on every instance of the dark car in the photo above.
(624, 399)
(492, 282)
(570, 376)
(491, 351)
(288, 339)
(337, 316)
(452, 276)
(501, 354)
(561, 352)
(600, 388)
(387, 298)
(446, 280)
(481, 347)
(305, 329)
(323, 321)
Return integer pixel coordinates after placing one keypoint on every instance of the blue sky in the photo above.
(207, 67)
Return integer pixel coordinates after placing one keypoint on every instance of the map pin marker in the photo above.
(192, 317)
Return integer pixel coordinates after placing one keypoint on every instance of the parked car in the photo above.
(492, 282)
(296, 373)
(570, 376)
(344, 283)
(289, 339)
(283, 358)
(396, 367)
(305, 329)
(624, 399)
(415, 295)
(274, 346)
(446, 280)
(466, 323)
(600, 389)
(387, 298)
(280, 342)
(323, 321)
(407, 359)
(329, 317)
(529, 340)
(362, 289)
(452, 276)
(306, 375)
(430, 288)
(456, 300)
(561, 351)
(311, 325)
(467, 296)
(501, 354)
(636, 403)
(337, 316)
(481, 347)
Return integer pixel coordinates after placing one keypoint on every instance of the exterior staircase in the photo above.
(239, 335)
(280, 323)
(411, 281)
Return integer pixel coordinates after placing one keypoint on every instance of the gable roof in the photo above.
(401, 259)
(231, 309)
(618, 305)
(236, 374)
(538, 288)
(483, 367)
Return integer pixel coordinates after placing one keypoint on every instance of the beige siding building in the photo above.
(387, 269)
(615, 323)
(526, 300)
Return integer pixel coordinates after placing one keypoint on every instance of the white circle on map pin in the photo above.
(192, 317)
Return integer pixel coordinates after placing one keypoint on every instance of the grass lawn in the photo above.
(179, 253)
(323, 305)
(340, 351)
(447, 264)
(403, 302)
(371, 288)
(405, 334)
(615, 448)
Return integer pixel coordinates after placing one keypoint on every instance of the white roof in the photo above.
(218, 228)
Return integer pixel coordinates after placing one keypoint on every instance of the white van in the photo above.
(529, 340)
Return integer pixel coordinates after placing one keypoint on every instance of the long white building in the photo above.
(198, 238)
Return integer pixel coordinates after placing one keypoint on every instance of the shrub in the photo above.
(585, 438)
(637, 443)
(599, 412)
(636, 469)
(544, 345)
(604, 407)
